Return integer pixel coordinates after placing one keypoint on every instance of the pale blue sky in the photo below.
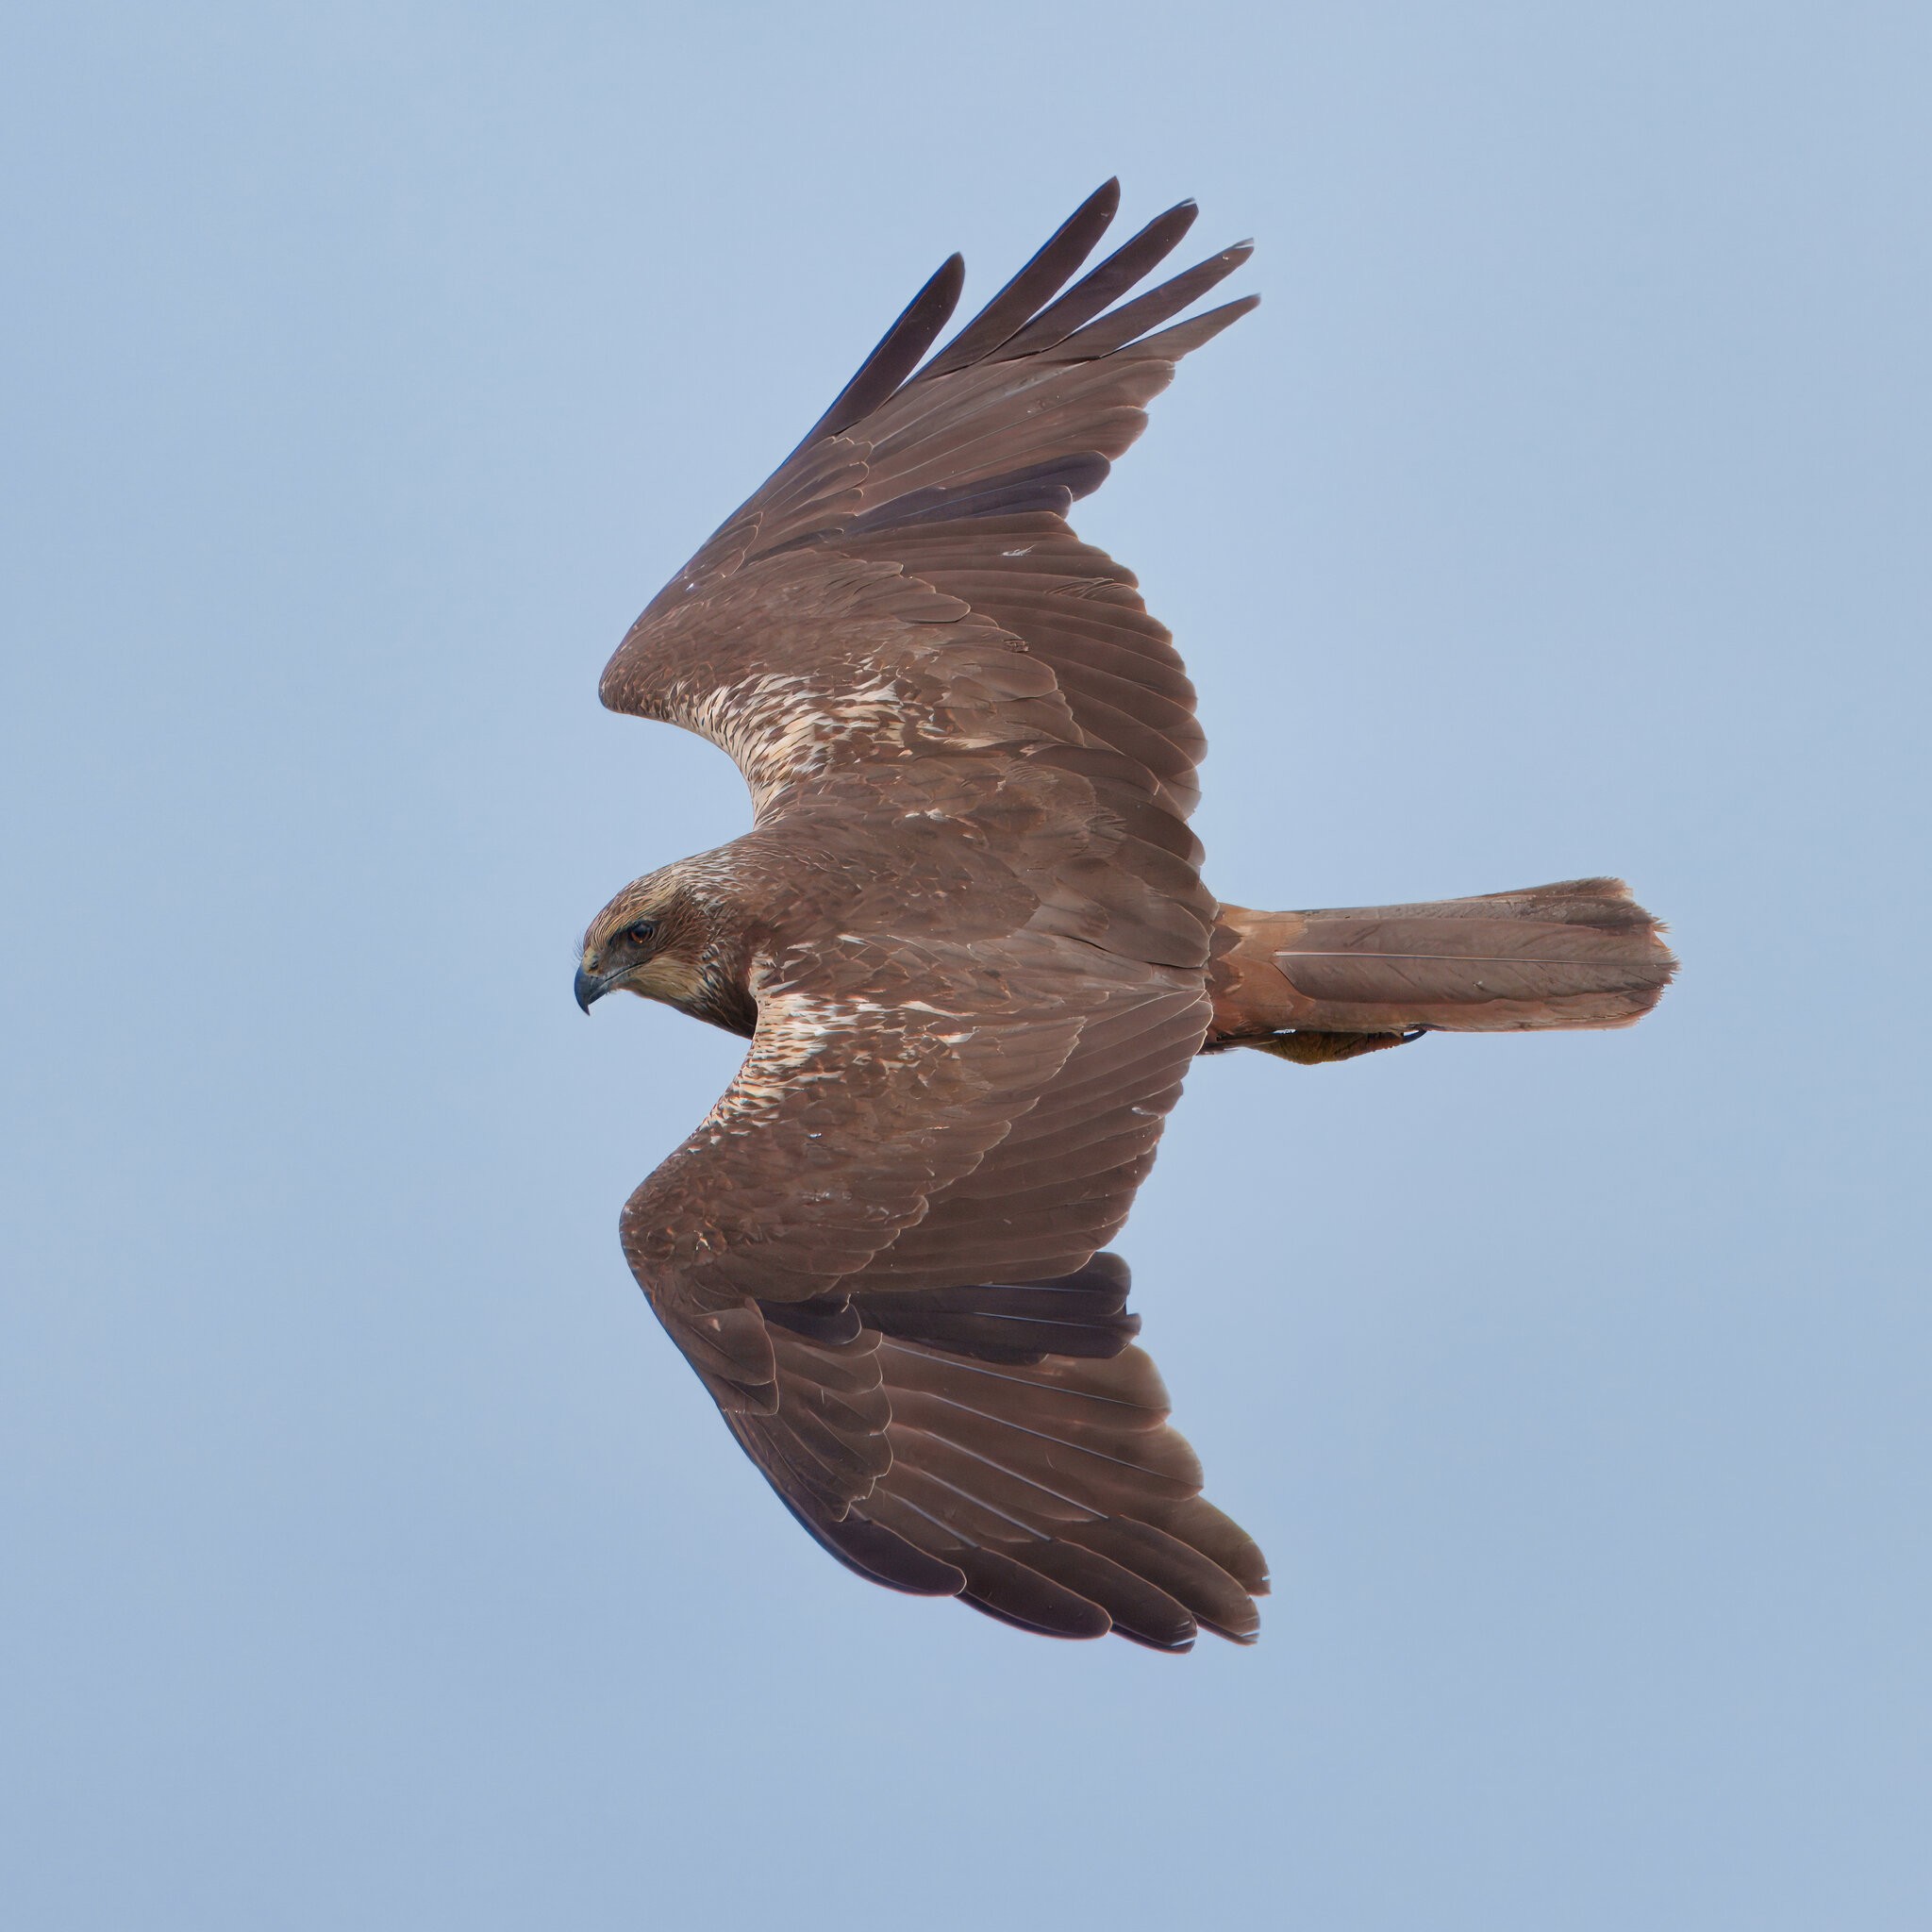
(371, 1559)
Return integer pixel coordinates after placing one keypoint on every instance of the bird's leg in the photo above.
(1310, 1049)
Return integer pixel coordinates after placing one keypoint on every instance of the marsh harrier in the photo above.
(969, 943)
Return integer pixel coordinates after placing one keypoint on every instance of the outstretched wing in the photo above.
(906, 580)
(878, 1252)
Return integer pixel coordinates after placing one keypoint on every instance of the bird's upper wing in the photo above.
(906, 580)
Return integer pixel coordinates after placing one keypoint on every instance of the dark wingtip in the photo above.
(898, 351)
(1036, 282)
(1119, 272)
(1131, 322)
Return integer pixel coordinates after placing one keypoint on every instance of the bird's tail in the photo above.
(1322, 986)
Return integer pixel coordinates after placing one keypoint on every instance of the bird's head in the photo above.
(657, 938)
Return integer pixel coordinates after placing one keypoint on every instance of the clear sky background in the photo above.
(369, 1559)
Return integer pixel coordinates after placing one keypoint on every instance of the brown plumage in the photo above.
(968, 940)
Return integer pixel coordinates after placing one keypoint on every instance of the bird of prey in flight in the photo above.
(969, 943)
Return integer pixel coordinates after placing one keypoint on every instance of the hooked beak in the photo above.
(588, 986)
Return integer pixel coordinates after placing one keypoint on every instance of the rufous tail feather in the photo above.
(1322, 986)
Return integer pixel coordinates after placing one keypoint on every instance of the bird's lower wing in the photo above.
(879, 1256)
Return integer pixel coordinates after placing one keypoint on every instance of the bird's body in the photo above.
(969, 941)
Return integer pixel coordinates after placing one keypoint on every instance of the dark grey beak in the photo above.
(588, 986)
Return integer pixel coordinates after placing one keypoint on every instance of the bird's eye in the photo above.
(644, 931)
